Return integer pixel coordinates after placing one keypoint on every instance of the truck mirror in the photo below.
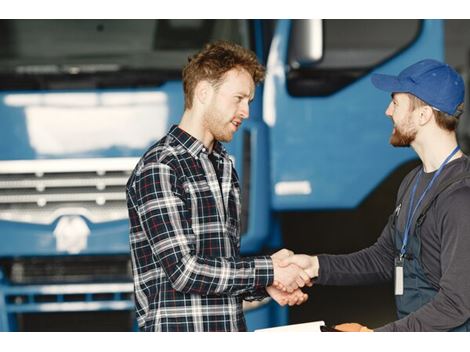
(306, 43)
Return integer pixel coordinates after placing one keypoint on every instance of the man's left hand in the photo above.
(282, 298)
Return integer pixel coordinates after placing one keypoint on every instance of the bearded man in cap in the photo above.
(425, 245)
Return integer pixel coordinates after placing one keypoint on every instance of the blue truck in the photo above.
(81, 100)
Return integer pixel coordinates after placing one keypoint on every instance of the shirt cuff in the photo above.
(264, 272)
(256, 295)
(323, 269)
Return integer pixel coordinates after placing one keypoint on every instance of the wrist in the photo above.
(315, 265)
(264, 272)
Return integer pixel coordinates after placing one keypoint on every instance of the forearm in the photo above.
(364, 267)
(204, 276)
(370, 265)
(174, 247)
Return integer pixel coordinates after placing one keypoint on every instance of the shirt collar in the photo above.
(218, 149)
(192, 144)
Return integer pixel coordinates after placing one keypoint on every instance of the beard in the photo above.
(402, 138)
(217, 125)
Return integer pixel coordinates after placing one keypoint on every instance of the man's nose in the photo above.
(389, 111)
(244, 112)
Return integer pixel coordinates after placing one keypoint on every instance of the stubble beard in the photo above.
(215, 124)
(403, 138)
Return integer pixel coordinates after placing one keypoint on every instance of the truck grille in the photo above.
(71, 269)
(95, 321)
(39, 191)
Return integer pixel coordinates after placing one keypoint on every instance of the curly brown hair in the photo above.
(213, 61)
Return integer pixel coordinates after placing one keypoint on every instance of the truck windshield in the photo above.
(34, 51)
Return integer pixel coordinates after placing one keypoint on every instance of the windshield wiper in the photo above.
(66, 69)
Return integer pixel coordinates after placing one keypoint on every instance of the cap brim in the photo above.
(387, 83)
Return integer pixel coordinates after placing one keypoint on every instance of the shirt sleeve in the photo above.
(370, 265)
(256, 295)
(450, 307)
(164, 218)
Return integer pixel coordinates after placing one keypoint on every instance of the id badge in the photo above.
(399, 261)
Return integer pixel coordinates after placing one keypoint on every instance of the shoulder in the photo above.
(162, 156)
(453, 204)
(457, 197)
(458, 179)
(164, 153)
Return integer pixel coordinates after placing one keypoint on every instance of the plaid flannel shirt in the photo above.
(185, 240)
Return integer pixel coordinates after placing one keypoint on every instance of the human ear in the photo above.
(203, 91)
(425, 115)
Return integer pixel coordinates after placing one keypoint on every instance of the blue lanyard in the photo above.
(411, 212)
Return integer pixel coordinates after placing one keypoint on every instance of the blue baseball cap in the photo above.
(434, 82)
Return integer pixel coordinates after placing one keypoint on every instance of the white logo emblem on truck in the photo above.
(71, 234)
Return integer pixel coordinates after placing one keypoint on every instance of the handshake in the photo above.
(291, 273)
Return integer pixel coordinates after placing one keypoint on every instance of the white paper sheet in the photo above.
(313, 326)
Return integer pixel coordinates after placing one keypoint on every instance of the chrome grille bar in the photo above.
(37, 191)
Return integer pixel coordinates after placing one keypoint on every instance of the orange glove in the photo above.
(352, 327)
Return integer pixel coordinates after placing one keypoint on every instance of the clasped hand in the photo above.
(292, 272)
(289, 277)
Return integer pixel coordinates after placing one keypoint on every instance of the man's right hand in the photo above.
(279, 295)
(289, 277)
(309, 264)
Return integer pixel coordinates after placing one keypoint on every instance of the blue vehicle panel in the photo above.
(331, 152)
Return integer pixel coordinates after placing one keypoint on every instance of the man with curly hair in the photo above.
(184, 208)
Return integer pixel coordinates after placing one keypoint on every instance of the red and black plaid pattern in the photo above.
(185, 239)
